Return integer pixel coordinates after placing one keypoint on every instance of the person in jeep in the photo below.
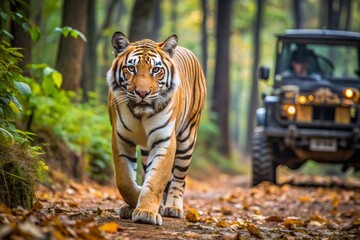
(299, 63)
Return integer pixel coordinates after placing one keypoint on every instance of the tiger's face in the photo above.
(142, 74)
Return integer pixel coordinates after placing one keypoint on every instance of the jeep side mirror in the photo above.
(263, 73)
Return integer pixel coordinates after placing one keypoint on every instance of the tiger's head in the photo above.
(143, 73)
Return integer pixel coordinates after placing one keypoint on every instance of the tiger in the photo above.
(156, 96)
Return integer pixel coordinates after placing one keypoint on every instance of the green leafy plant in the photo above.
(69, 31)
(83, 127)
(19, 18)
(20, 164)
(12, 85)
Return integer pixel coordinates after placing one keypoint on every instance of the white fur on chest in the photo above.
(148, 129)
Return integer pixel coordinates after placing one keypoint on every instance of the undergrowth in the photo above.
(20, 165)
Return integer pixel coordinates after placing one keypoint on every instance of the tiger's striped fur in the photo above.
(156, 95)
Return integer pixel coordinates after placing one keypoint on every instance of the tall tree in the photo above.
(157, 21)
(174, 15)
(71, 51)
(112, 7)
(347, 5)
(21, 38)
(88, 79)
(254, 87)
(335, 14)
(141, 19)
(220, 97)
(204, 38)
(297, 11)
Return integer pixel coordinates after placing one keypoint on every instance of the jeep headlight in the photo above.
(349, 93)
(288, 110)
(351, 96)
(302, 99)
(291, 110)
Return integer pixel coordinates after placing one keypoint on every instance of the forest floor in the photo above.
(224, 207)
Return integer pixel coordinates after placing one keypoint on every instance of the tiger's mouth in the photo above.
(143, 104)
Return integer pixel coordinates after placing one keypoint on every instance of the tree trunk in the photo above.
(220, 101)
(108, 17)
(88, 79)
(348, 15)
(323, 13)
(118, 7)
(337, 14)
(22, 38)
(174, 16)
(71, 51)
(157, 21)
(297, 14)
(204, 38)
(141, 20)
(254, 87)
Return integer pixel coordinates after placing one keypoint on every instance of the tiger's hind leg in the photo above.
(174, 192)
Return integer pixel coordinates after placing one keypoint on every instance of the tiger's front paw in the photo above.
(146, 216)
(174, 212)
(126, 211)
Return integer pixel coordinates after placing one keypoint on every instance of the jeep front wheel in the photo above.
(263, 166)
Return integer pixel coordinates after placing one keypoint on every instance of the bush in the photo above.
(78, 134)
(20, 164)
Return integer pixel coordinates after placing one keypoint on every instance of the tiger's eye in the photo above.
(156, 69)
(131, 68)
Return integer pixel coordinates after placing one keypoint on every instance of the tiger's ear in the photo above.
(170, 44)
(119, 42)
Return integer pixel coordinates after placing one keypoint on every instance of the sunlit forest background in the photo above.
(55, 55)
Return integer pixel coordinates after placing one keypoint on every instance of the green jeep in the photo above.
(313, 111)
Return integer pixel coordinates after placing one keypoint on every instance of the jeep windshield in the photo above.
(318, 61)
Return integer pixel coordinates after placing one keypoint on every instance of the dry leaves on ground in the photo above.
(226, 209)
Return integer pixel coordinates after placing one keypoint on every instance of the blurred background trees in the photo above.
(66, 53)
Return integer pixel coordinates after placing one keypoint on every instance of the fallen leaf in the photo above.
(241, 223)
(225, 210)
(37, 205)
(304, 199)
(254, 231)
(192, 235)
(70, 191)
(317, 218)
(192, 215)
(4, 209)
(223, 224)
(274, 219)
(293, 222)
(110, 227)
(335, 202)
(73, 204)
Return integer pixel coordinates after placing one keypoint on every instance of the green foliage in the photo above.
(69, 31)
(19, 18)
(20, 164)
(84, 127)
(11, 87)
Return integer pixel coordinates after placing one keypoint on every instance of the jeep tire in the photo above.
(263, 165)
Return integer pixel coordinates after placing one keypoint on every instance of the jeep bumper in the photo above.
(294, 136)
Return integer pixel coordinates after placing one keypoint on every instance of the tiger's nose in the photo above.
(142, 93)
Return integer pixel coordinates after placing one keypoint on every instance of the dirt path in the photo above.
(225, 208)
